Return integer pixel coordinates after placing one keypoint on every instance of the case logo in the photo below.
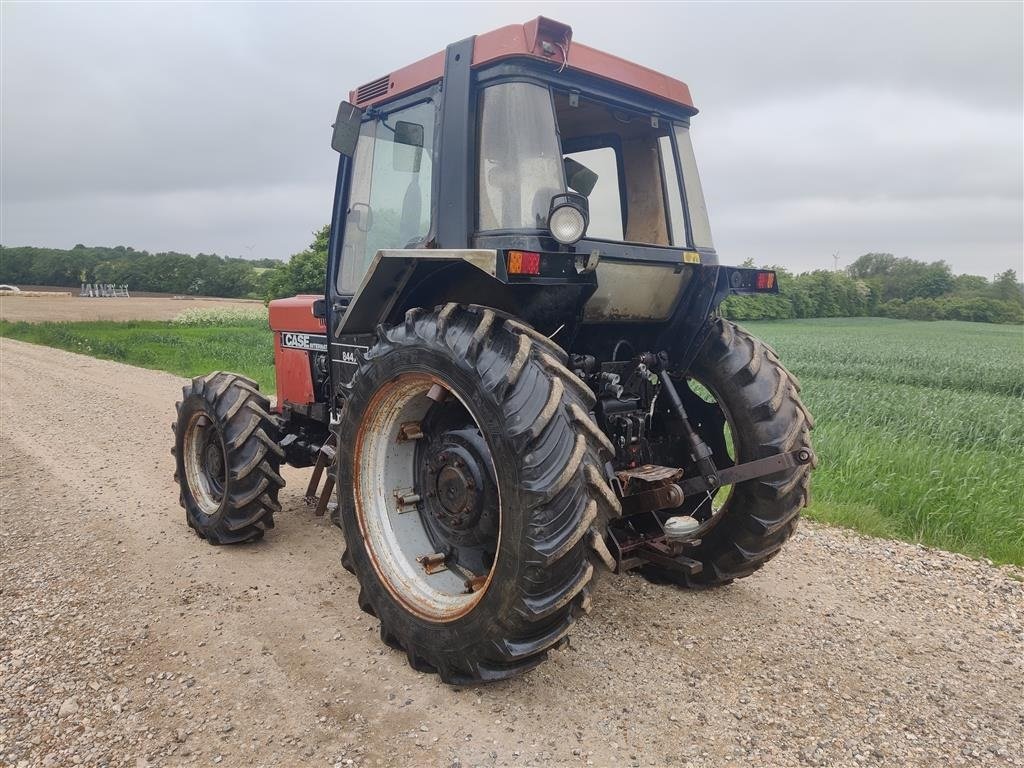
(307, 341)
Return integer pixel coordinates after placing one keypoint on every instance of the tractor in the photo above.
(517, 373)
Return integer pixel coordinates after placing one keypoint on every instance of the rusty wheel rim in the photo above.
(390, 503)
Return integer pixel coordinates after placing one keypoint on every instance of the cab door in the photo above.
(384, 199)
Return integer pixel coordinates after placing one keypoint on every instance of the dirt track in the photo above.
(60, 307)
(125, 640)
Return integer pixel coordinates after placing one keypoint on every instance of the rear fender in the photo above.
(690, 324)
(398, 280)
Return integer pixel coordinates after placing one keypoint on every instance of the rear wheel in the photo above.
(469, 489)
(746, 406)
(228, 459)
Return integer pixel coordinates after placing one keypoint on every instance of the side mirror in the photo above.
(410, 134)
(408, 146)
(346, 129)
(579, 177)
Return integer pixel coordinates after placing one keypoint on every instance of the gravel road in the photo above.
(127, 641)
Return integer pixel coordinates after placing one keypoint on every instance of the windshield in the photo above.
(520, 160)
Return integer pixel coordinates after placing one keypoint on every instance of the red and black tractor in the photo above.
(517, 372)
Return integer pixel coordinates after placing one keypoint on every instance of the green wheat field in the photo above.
(920, 426)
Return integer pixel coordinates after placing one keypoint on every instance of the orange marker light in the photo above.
(523, 263)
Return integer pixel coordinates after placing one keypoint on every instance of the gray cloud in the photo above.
(828, 127)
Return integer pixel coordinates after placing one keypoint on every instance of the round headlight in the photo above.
(567, 224)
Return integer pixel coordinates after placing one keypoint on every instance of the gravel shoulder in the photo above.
(127, 641)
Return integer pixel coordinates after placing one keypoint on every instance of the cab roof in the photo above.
(541, 39)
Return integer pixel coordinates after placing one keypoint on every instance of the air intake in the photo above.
(372, 89)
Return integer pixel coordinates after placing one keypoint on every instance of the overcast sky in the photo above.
(823, 128)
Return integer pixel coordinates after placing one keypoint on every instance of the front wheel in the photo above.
(227, 459)
(469, 477)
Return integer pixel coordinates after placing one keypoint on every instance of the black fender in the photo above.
(398, 280)
(692, 320)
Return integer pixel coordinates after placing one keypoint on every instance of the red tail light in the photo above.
(523, 263)
(765, 281)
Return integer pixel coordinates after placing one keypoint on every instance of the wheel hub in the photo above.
(214, 460)
(454, 481)
(454, 491)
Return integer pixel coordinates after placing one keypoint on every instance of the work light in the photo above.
(568, 217)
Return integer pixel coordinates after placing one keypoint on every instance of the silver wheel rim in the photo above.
(387, 503)
(205, 463)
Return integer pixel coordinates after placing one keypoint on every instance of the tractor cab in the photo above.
(524, 142)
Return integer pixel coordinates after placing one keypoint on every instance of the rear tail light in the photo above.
(765, 281)
(523, 263)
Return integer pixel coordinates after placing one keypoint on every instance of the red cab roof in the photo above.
(542, 39)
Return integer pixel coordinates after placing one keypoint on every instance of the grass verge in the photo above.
(245, 346)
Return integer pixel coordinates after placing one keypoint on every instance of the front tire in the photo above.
(228, 460)
(466, 437)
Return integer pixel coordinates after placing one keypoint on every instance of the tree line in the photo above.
(305, 272)
(876, 284)
(883, 285)
(168, 272)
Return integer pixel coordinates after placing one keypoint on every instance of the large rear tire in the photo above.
(758, 403)
(228, 460)
(466, 437)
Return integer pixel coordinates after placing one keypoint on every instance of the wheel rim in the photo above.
(205, 463)
(426, 499)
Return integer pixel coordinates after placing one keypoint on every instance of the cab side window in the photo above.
(605, 196)
(389, 194)
(637, 196)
